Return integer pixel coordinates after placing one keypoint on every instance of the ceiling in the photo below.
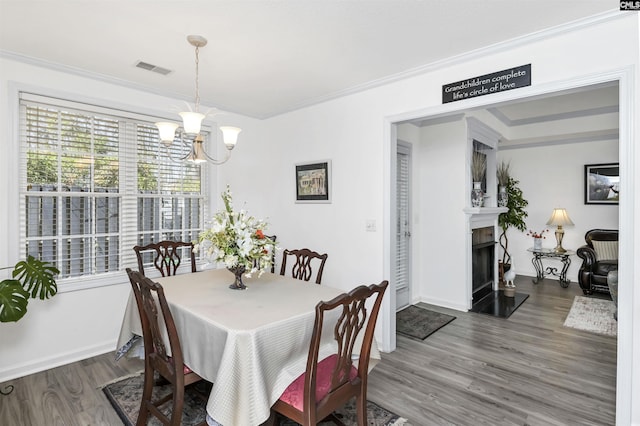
(268, 57)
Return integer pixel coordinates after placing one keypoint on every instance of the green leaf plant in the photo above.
(31, 278)
(514, 217)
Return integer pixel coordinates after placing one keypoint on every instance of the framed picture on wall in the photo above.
(602, 183)
(313, 182)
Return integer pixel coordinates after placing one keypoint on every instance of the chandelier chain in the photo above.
(197, 79)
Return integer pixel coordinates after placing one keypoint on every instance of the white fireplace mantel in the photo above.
(479, 217)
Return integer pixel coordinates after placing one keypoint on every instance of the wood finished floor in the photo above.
(478, 370)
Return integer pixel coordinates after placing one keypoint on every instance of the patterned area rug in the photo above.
(594, 315)
(420, 323)
(124, 395)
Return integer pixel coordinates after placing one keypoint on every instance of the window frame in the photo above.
(17, 173)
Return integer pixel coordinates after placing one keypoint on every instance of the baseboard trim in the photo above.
(42, 364)
(442, 303)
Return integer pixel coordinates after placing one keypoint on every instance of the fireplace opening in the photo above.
(482, 263)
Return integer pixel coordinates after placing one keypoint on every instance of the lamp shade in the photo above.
(167, 132)
(230, 136)
(559, 217)
(191, 122)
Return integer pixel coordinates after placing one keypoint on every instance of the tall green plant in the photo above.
(32, 278)
(513, 218)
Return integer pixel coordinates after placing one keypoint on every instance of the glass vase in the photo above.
(477, 195)
(537, 243)
(503, 197)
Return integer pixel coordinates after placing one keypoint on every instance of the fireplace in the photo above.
(482, 263)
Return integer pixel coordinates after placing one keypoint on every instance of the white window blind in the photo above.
(402, 273)
(95, 182)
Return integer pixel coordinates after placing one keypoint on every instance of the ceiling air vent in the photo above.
(154, 68)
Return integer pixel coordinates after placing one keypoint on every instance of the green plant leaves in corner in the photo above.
(13, 300)
(37, 277)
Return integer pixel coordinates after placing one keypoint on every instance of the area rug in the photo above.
(594, 315)
(420, 323)
(124, 395)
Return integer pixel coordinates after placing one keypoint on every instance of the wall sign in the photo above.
(500, 81)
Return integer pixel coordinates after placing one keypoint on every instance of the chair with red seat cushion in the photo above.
(166, 256)
(148, 296)
(330, 383)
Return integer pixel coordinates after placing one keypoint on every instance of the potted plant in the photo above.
(31, 278)
(513, 218)
(478, 169)
(502, 174)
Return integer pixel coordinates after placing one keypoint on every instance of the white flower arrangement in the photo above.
(237, 240)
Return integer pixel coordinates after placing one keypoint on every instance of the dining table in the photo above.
(251, 344)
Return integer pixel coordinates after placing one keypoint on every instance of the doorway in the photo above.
(403, 226)
(623, 78)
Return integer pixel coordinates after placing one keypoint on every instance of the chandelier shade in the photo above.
(192, 124)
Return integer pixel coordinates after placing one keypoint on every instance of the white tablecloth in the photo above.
(250, 343)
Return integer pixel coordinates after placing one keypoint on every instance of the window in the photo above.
(95, 182)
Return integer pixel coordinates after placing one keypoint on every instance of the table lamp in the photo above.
(559, 218)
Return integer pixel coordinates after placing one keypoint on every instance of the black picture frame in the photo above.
(602, 183)
(313, 182)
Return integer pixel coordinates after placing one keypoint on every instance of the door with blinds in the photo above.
(403, 226)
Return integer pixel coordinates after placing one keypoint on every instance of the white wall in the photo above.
(553, 176)
(442, 166)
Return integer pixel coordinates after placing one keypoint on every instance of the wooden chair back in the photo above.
(152, 305)
(166, 256)
(335, 378)
(302, 267)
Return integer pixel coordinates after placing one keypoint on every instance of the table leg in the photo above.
(537, 264)
(564, 282)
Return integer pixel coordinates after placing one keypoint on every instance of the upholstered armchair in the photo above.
(599, 257)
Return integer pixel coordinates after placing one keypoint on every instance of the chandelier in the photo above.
(192, 123)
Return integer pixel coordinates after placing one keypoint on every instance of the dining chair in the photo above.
(331, 382)
(149, 295)
(165, 255)
(302, 268)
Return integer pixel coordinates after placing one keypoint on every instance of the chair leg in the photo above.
(361, 409)
(178, 403)
(147, 390)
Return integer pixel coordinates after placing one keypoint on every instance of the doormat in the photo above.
(420, 323)
(593, 315)
(125, 394)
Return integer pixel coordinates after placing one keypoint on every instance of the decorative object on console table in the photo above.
(478, 169)
(502, 173)
(559, 218)
(537, 238)
(238, 241)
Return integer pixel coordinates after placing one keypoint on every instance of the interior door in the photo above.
(403, 226)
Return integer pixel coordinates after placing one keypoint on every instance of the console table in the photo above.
(541, 271)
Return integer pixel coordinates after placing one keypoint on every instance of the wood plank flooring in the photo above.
(478, 370)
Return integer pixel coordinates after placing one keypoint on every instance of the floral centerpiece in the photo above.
(537, 238)
(534, 234)
(237, 240)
